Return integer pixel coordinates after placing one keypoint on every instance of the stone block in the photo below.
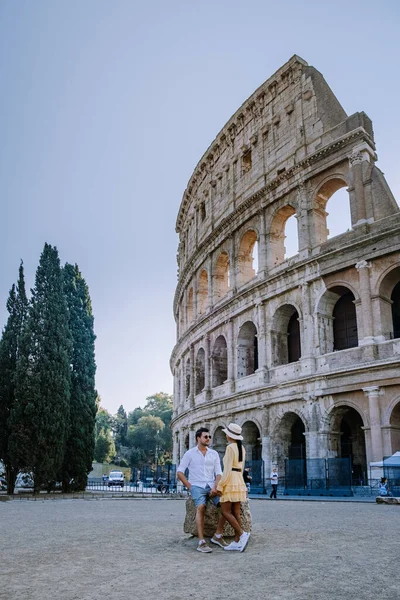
(211, 519)
(387, 500)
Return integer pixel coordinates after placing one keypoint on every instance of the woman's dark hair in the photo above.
(383, 479)
(239, 445)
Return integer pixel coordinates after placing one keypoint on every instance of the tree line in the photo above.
(47, 378)
(140, 437)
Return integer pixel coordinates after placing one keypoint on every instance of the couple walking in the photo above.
(207, 481)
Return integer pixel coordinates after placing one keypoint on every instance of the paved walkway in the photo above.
(135, 548)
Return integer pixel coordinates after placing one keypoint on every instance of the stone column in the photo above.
(266, 445)
(181, 443)
(366, 303)
(262, 341)
(195, 294)
(307, 339)
(210, 282)
(232, 265)
(262, 244)
(192, 375)
(175, 448)
(373, 394)
(303, 222)
(231, 356)
(207, 369)
(357, 178)
(360, 160)
(192, 439)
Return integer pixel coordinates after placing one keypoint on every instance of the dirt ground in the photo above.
(136, 549)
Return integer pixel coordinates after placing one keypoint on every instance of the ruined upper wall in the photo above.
(286, 119)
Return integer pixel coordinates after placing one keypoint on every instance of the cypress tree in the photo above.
(40, 416)
(79, 447)
(17, 306)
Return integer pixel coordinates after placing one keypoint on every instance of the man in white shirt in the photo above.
(274, 483)
(204, 474)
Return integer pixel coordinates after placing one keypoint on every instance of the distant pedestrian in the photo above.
(384, 488)
(274, 482)
(247, 478)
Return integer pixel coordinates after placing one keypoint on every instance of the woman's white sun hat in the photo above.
(233, 431)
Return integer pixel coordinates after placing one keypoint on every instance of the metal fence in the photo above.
(321, 476)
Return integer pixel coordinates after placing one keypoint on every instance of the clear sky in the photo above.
(106, 106)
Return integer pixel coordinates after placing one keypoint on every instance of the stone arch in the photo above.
(337, 318)
(388, 411)
(202, 292)
(395, 427)
(252, 441)
(389, 302)
(221, 275)
(247, 350)
(324, 195)
(245, 257)
(285, 334)
(190, 306)
(288, 439)
(219, 358)
(219, 441)
(200, 371)
(276, 250)
(347, 438)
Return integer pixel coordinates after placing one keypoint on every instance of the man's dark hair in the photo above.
(200, 431)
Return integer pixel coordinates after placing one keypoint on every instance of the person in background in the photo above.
(384, 487)
(247, 478)
(274, 483)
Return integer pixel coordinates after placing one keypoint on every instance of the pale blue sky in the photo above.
(107, 106)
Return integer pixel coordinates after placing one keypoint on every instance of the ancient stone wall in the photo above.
(302, 351)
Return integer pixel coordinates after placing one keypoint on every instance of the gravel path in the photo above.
(136, 549)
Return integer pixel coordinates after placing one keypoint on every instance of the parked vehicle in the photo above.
(116, 478)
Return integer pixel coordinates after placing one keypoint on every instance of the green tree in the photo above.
(79, 448)
(17, 306)
(40, 414)
(160, 405)
(145, 435)
(135, 415)
(104, 448)
(120, 427)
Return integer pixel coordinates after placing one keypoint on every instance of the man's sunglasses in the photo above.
(208, 437)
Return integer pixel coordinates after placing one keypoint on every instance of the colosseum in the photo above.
(301, 347)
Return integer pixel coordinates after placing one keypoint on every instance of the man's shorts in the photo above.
(201, 495)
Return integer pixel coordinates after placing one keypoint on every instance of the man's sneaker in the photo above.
(203, 547)
(233, 546)
(244, 538)
(219, 541)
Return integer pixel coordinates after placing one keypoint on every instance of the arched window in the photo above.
(200, 370)
(294, 348)
(189, 306)
(202, 292)
(221, 276)
(247, 350)
(219, 361)
(286, 343)
(276, 251)
(247, 266)
(395, 298)
(291, 237)
(345, 333)
(331, 210)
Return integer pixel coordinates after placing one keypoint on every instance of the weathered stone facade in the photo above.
(302, 352)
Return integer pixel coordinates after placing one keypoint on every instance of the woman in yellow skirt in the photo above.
(231, 487)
